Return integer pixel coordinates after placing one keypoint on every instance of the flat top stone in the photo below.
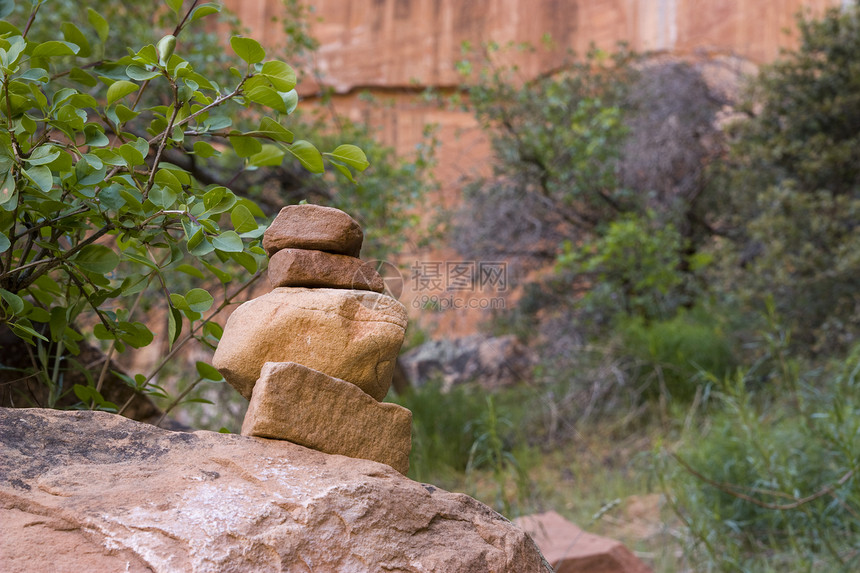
(319, 269)
(314, 227)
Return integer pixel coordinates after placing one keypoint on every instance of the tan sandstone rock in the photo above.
(307, 268)
(571, 550)
(354, 335)
(313, 227)
(293, 402)
(96, 492)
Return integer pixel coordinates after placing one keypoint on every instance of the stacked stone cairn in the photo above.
(315, 356)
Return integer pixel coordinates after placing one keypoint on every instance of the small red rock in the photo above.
(314, 227)
(318, 269)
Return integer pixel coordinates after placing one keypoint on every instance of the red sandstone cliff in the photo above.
(393, 48)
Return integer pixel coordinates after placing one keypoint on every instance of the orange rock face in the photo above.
(391, 43)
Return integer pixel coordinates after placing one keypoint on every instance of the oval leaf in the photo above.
(204, 10)
(98, 22)
(208, 372)
(229, 242)
(73, 34)
(53, 48)
(280, 74)
(96, 259)
(242, 219)
(248, 49)
(308, 155)
(350, 155)
(119, 90)
(245, 146)
(199, 300)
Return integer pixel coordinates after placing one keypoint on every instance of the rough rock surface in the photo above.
(95, 492)
(493, 362)
(313, 227)
(292, 402)
(571, 550)
(307, 268)
(353, 335)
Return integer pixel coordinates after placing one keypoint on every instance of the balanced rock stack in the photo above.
(315, 356)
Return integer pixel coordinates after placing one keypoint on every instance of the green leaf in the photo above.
(82, 77)
(7, 188)
(178, 301)
(165, 48)
(140, 259)
(174, 325)
(344, 170)
(246, 260)
(53, 48)
(36, 75)
(6, 7)
(131, 155)
(162, 196)
(245, 146)
(269, 156)
(268, 97)
(212, 197)
(73, 34)
(204, 10)
(95, 137)
(308, 155)
(205, 150)
(214, 330)
(229, 242)
(291, 100)
(24, 329)
(350, 155)
(222, 276)
(87, 394)
(189, 270)
(97, 259)
(41, 176)
(4, 243)
(43, 155)
(99, 23)
(199, 300)
(281, 75)
(141, 74)
(198, 245)
(208, 372)
(119, 90)
(58, 322)
(125, 114)
(274, 131)
(248, 49)
(175, 5)
(13, 301)
(242, 219)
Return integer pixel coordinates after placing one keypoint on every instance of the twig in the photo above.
(177, 400)
(732, 489)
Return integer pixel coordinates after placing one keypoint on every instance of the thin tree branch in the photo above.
(733, 490)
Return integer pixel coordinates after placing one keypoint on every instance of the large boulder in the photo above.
(354, 335)
(491, 361)
(95, 492)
